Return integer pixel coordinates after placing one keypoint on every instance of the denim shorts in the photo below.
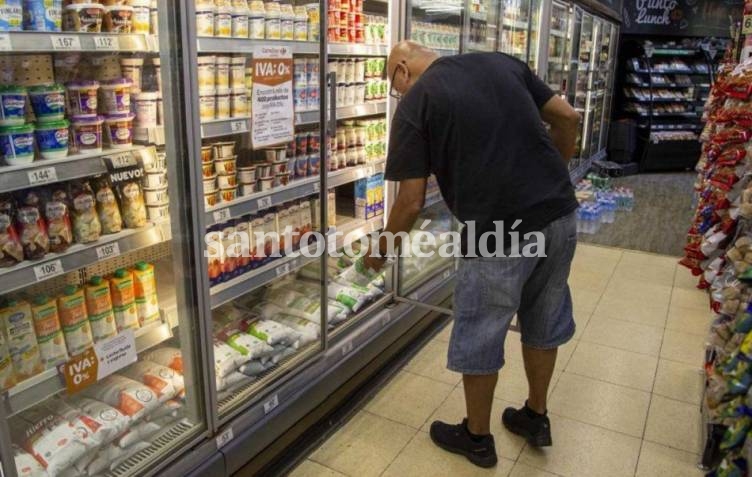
(490, 291)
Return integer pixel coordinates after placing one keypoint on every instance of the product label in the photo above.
(273, 117)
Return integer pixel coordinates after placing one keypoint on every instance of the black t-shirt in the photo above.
(474, 121)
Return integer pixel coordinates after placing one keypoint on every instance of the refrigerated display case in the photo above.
(436, 24)
(102, 364)
(481, 29)
(559, 43)
(515, 28)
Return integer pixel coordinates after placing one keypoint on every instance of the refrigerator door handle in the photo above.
(332, 80)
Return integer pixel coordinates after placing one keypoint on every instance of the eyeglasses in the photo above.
(392, 92)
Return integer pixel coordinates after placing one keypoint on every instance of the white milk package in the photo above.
(132, 398)
(165, 382)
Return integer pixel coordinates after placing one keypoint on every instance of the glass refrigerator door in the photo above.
(435, 24)
(481, 25)
(515, 23)
(597, 92)
(608, 48)
(267, 296)
(100, 358)
(536, 24)
(581, 69)
(558, 48)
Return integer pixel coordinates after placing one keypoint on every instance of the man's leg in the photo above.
(539, 367)
(479, 392)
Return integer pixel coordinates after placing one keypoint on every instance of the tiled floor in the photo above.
(624, 401)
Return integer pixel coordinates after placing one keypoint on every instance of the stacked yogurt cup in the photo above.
(219, 168)
(155, 188)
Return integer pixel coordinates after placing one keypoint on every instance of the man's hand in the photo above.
(564, 121)
(373, 263)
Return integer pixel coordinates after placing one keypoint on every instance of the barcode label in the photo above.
(271, 404)
(264, 203)
(222, 215)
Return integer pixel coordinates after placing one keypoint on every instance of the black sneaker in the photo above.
(456, 438)
(536, 430)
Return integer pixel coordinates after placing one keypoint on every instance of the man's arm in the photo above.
(564, 121)
(402, 217)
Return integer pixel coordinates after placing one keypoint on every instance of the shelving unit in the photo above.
(60, 42)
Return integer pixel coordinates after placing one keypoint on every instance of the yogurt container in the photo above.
(207, 169)
(247, 189)
(42, 15)
(154, 17)
(227, 181)
(131, 68)
(206, 72)
(282, 179)
(272, 25)
(240, 22)
(82, 98)
(48, 102)
(229, 194)
(17, 144)
(266, 183)
(157, 212)
(210, 184)
(207, 104)
(141, 16)
(247, 175)
(223, 22)
(11, 15)
(206, 154)
(205, 20)
(83, 17)
(87, 133)
(225, 166)
(119, 130)
(223, 150)
(223, 103)
(52, 138)
(147, 109)
(118, 19)
(116, 94)
(12, 105)
(222, 70)
(256, 26)
(239, 103)
(211, 199)
(157, 196)
(237, 72)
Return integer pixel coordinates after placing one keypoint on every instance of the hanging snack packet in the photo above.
(107, 207)
(164, 381)
(11, 251)
(57, 215)
(127, 183)
(32, 228)
(86, 225)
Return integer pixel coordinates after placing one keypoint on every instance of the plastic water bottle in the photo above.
(630, 201)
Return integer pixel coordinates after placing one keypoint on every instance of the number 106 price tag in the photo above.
(48, 270)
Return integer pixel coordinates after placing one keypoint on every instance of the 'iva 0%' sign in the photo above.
(273, 119)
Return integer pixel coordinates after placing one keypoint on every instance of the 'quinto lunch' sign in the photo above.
(679, 17)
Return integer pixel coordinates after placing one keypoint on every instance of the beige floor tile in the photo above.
(658, 460)
(581, 320)
(674, 424)
(648, 273)
(431, 362)
(409, 399)
(421, 457)
(365, 446)
(689, 320)
(445, 334)
(605, 257)
(585, 300)
(680, 381)
(614, 366)
(602, 404)
(697, 299)
(523, 470)
(643, 312)
(684, 279)
(684, 347)
(620, 334)
(512, 385)
(588, 278)
(453, 411)
(638, 291)
(632, 257)
(308, 468)
(582, 450)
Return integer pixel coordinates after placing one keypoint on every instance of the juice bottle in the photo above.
(99, 309)
(123, 299)
(22, 341)
(76, 328)
(49, 333)
(145, 286)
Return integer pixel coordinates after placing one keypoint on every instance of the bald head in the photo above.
(407, 61)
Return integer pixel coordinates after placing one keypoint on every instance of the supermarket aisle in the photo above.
(624, 400)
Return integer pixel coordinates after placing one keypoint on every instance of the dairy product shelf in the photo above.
(241, 45)
(54, 42)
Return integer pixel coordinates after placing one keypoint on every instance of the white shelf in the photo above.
(243, 45)
(49, 42)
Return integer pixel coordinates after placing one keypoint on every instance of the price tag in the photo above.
(239, 126)
(65, 42)
(105, 358)
(125, 159)
(225, 437)
(347, 348)
(221, 215)
(110, 43)
(44, 175)
(283, 269)
(264, 202)
(48, 270)
(5, 44)
(108, 251)
(747, 25)
(316, 186)
(271, 404)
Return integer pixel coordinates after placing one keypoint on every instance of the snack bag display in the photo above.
(32, 228)
(127, 183)
(11, 251)
(86, 225)
(58, 216)
(107, 207)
